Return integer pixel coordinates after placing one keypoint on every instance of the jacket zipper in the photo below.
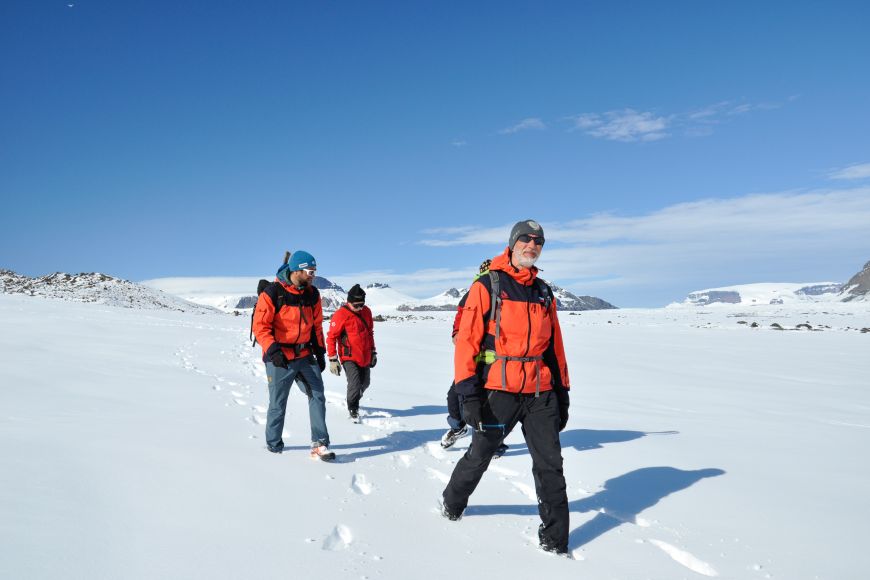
(528, 334)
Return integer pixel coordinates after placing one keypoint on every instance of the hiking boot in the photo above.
(451, 514)
(322, 453)
(547, 544)
(275, 448)
(453, 435)
(354, 414)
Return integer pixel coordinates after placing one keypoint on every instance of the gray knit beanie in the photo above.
(524, 227)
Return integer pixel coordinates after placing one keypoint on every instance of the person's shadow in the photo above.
(626, 496)
(586, 439)
(395, 442)
(412, 412)
(621, 501)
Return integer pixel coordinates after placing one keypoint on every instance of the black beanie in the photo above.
(356, 294)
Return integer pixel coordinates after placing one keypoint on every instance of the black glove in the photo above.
(564, 399)
(471, 411)
(374, 360)
(278, 359)
(320, 353)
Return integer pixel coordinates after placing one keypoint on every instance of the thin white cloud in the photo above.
(531, 123)
(630, 125)
(745, 239)
(857, 171)
(626, 125)
(459, 143)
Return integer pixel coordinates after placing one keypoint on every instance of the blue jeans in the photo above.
(311, 383)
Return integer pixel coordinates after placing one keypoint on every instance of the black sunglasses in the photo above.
(526, 238)
(357, 304)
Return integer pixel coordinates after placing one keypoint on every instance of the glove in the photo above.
(278, 359)
(564, 399)
(321, 359)
(335, 367)
(374, 360)
(471, 411)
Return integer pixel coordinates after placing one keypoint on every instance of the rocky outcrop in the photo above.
(97, 288)
(858, 286)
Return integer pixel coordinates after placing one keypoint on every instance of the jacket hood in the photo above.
(502, 263)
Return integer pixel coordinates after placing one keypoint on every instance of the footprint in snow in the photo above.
(259, 408)
(685, 558)
(440, 476)
(435, 450)
(526, 490)
(338, 539)
(360, 484)
(236, 394)
(240, 402)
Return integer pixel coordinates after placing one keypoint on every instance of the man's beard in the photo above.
(525, 261)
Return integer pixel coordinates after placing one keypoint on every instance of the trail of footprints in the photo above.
(341, 537)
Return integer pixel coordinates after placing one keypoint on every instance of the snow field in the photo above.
(695, 449)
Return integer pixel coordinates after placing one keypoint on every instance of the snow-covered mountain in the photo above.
(446, 301)
(381, 297)
(97, 288)
(565, 300)
(765, 293)
(858, 286)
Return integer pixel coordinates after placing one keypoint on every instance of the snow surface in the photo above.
(697, 447)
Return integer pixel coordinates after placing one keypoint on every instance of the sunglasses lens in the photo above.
(526, 238)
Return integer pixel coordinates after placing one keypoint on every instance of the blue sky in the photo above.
(665, 147)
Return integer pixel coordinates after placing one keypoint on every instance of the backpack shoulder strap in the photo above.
(495, 302)
(358, 315)
(545, 289)
(277, 293)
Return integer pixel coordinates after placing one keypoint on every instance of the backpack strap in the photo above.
(495, 314)
(357, 314)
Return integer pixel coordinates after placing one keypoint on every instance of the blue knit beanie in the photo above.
(301, 260)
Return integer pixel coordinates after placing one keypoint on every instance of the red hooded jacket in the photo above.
(354, 335)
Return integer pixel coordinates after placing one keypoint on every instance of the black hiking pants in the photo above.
(539, 417)
(358, 379)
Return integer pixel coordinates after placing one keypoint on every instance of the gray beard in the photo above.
(524, 262)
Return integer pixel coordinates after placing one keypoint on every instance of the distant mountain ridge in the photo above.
(97, 288)
(565, 300)
(857, 288)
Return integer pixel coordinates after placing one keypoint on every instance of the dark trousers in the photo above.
(539, 417)
(358, 379)
(454, 408)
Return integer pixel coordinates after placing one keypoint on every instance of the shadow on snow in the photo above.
(621, 501)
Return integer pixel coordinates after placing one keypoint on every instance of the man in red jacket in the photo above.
(352, 330)
(288, 324)
(510, 367)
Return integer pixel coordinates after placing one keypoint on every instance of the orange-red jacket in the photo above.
(354, 333)
(298, 321)
(529, 329)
